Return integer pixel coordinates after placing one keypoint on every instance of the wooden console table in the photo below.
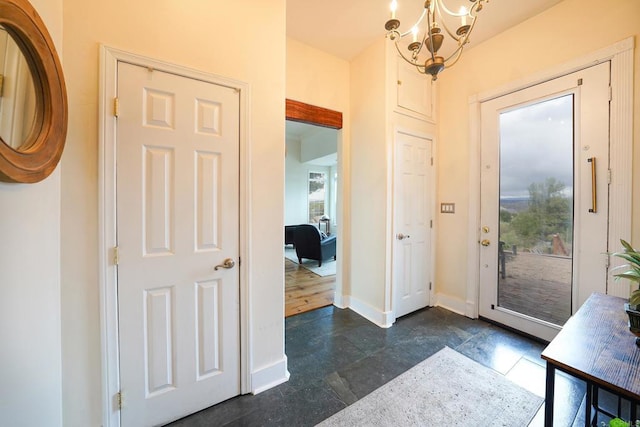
(596, 346)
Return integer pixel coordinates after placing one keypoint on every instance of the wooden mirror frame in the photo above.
(39, 155)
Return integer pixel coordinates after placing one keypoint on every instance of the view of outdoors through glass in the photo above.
(317, 191)
(536, 209)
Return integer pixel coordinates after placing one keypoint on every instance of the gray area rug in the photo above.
(327, 268)
(446, 389)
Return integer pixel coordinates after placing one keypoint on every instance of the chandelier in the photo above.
(427, 36)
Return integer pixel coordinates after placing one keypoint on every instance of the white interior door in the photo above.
(544, 201)
(412, 223)
(177, 218)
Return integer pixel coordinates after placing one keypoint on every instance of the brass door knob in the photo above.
(485, 242)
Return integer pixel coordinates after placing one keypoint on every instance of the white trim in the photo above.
(451, 303)
(612, 52)
(384, 319)
(473, 227)
(621, 144)
(620, 158)
(109, 58)
(341, 301)
(270, 376)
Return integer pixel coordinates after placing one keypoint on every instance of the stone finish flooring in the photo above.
(336, 357)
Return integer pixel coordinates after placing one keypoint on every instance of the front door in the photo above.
(412, 223)
(544, 201)
(177, 172)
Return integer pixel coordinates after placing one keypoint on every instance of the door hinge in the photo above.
(432, 161)
(116, 255)
(607, 262)
(118, 398)
(579, 82)
(610, 93)
(429, 285)
(116, 107)
(608, 176)
(430, 223)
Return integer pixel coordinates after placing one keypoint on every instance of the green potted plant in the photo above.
(632, 273)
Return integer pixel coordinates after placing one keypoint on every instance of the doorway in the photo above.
(312, 179)
(544, 200)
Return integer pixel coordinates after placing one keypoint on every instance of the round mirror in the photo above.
(17, 94)
(33, 99)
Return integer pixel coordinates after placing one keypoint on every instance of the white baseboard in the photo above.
(472, 310)
(269, 376)
(454, 304)
(341, 301)
(384, 319)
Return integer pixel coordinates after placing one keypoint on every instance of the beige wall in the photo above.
(317, 78)
(572, 29)
(369, 180)
(243, 40)
(30, 358)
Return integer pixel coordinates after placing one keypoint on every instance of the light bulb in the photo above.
(394, 6)
(464, 12)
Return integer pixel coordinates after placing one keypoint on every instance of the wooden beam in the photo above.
(300, 112)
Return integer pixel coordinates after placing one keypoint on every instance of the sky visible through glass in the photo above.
(536, 143)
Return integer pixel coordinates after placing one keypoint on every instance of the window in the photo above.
(316, 195)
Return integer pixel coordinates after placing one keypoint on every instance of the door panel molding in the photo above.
(428, 216)
(109, 59)
(621, 122)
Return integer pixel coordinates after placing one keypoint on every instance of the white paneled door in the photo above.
(412, 223)
(177, 219)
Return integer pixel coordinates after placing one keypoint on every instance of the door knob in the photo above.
(401, 236)
(227, 263)
(485, 242)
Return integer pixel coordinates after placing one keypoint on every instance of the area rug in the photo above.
(327, 268)
(447, 389)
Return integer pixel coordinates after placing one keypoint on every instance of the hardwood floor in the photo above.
(305, 290)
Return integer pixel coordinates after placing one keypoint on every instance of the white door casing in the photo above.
(412, 252)
(590, 88)
(177, 217)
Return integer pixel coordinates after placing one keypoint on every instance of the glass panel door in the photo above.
(543, 229)
(535, 248)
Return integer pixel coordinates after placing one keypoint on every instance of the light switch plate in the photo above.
(447, 208)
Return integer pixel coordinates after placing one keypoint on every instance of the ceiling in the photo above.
(344, 28)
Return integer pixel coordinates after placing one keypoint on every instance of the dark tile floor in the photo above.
(336, 357)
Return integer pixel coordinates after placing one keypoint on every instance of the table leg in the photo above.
(549, 391)
(587, 406)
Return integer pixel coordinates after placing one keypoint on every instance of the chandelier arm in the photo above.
(440, 3)
(458, 55)
(417, 24)
(427, 34)
(464, 37)
(402, 55)
(452, 35)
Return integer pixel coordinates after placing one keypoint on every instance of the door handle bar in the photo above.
(594, 195)
(227, 263)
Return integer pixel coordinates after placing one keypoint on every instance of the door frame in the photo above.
(620, 162)
(298, 111)
(107, 276)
